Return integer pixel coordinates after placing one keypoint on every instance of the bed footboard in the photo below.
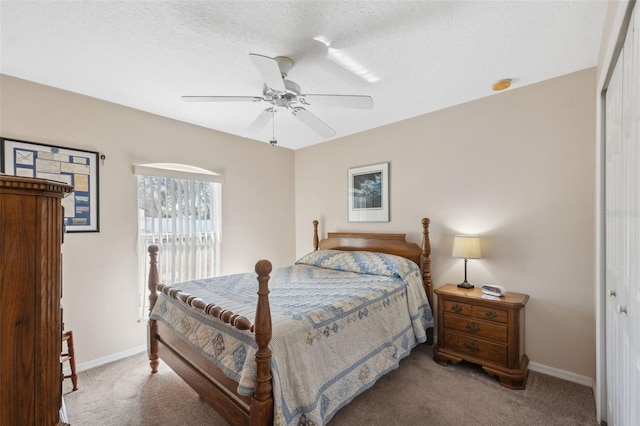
(260, 410)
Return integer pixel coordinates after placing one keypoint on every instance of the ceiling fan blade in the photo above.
(313, 122)
(345, 101)
(270, 71)
(262, 120)
(222, 98)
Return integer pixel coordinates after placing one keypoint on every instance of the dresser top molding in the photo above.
(10, 183)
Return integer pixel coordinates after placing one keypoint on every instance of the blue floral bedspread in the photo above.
(340, 320)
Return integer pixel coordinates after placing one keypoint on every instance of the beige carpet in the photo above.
(420, 392)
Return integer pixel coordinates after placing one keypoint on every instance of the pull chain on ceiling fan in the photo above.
(285, 94)
(273, 140)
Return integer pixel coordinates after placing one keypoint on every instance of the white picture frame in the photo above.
(368, 193)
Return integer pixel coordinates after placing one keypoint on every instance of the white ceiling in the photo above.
(428, 55)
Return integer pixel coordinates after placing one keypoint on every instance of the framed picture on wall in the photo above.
(369, 193)
(75, 167)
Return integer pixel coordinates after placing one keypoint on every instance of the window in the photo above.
(179, 211)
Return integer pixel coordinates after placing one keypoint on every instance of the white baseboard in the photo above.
(562, 374)
(534, 366)
(110, 358)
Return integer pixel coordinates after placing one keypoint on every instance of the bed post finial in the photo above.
(315, 235)
(262, 404)
(154, 280)
(426, 245)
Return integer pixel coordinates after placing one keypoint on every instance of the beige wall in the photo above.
(518, 169)
(100, 269)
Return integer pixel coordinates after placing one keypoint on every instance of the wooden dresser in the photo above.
(30, 291)
(485, 330)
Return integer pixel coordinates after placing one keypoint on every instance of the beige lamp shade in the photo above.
(466, 247)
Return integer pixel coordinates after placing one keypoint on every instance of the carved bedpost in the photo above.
(426, 259)
(315, 235)
(426, 270)
(154, 280)
(153, 276)
(262, 405)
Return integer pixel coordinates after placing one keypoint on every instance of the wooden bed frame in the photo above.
(211, 383)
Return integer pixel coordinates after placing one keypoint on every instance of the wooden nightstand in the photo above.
(485, 330)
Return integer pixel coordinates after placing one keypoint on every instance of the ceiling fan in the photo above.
(285, 94)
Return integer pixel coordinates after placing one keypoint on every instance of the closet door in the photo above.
(615, 233)
(632, 137)
(622, 207)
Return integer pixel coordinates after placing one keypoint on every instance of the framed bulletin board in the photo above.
(75, 167)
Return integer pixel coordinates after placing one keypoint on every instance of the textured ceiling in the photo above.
(426, 55)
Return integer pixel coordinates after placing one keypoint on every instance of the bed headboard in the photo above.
(383, 243)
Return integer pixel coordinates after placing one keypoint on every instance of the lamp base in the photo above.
(466, 285)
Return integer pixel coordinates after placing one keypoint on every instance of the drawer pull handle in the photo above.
(456, 308)
(472, 327)
(472, 347)
(490, 314)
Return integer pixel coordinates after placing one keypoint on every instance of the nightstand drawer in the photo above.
(476, 328)
(478, 348)
(457, 308)
(490, 314)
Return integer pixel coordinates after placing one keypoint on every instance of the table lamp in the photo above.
(466, 247)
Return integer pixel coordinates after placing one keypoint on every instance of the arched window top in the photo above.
(177, 171)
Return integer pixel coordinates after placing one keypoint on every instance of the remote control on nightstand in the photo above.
(493, 290)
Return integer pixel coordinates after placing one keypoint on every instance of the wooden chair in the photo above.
(70, 356)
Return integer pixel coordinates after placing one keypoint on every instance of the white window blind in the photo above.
(179, 211)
